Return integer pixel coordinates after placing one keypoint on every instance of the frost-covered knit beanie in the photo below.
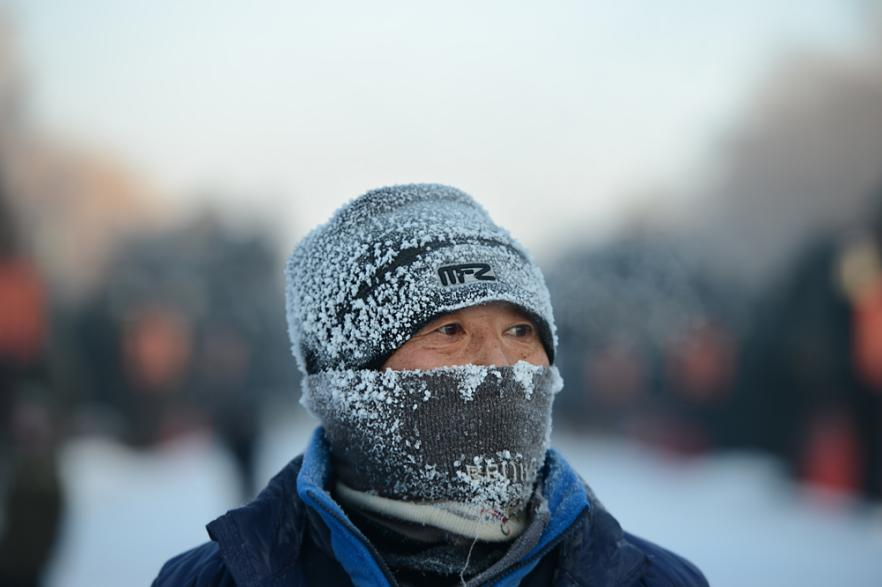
(389, 262)
(467, 441)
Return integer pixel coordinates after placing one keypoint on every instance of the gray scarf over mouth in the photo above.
(470, 434)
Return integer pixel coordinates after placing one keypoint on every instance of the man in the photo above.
(426, 339)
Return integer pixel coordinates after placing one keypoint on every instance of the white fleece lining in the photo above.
(457, 518)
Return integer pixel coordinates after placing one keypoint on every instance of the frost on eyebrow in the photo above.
(359, 286)
(472, 433)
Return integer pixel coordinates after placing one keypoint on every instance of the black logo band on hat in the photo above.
(465, 273)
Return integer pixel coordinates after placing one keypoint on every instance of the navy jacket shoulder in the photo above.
(201, 566)
(294, 534)
(259, 540)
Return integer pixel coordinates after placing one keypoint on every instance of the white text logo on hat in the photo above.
(465, 273)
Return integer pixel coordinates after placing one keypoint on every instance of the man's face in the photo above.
(491, 334)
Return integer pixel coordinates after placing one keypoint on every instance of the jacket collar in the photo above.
(351, 549)
(568, 500)
(258, 541)
(563, 489)
(262, 539)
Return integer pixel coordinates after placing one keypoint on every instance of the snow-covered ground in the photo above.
(734, 516)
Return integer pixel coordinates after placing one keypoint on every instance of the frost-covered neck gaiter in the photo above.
(471, 435)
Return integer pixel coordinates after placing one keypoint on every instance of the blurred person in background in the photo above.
(812, 377)
(860, 276)
(427, 343)
(31, 496)
(181, 337)
(648, 344)
(698, 383)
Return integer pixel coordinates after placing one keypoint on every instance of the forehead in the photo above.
(488, 311)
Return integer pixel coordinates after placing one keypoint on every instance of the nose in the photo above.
(488, 349)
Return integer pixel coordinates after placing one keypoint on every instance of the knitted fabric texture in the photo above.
(471, 434)
(389, 262)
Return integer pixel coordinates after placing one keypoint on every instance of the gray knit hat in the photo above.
(392, 260)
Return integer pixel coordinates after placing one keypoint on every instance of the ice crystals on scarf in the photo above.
(472, 434)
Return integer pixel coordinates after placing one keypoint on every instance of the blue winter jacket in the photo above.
(294, 533)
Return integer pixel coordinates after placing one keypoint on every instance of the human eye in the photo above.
(521, 330)
(449, 329)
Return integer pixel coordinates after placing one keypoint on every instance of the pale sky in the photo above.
(557, 116)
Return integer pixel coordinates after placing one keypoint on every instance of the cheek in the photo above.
(410, 357)
(536, 355)
(399, 360)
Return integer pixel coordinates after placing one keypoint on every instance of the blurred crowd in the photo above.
(182, 332)
(654, 348)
